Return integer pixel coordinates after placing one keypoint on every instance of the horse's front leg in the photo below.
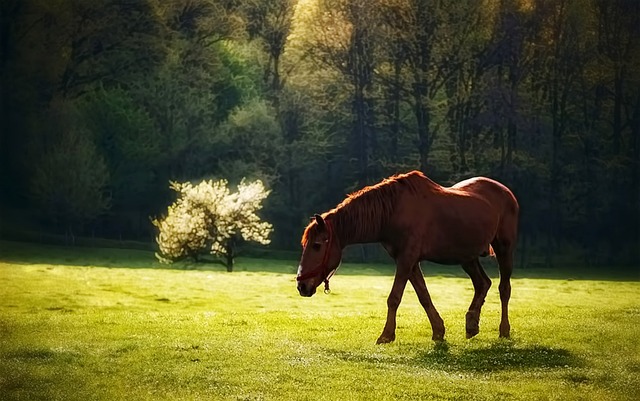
(437, 325)
(393, 301)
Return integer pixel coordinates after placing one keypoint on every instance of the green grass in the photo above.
(91, 324)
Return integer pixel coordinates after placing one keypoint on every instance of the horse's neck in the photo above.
(355, 226)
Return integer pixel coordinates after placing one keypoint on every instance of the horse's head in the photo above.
(321, 256)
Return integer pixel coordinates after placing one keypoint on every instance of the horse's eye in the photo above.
(316, 246)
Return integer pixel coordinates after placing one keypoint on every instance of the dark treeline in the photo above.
(105, 101)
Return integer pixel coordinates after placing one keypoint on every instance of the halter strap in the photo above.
(322, 268)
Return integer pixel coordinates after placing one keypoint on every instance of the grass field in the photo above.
(102, 325)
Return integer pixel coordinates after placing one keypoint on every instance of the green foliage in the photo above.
(183, 108)
(242, 81)
(253, 125)
(207, 217)
(128, 140)
(104, 42)
(69, 181)
(321, 97)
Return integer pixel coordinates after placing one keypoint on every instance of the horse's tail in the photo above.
(489, 252)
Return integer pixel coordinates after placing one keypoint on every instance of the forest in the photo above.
(104, 102)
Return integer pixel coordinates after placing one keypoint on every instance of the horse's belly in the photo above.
(444, 260)
(459, 242)
(451, 229)
(454, 256)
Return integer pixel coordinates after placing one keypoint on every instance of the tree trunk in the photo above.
(423, 117)
(635, 167)
(395, 98)
(360, 141)
(361, 65)
(617, 110)
(229, 254)
(554, 184)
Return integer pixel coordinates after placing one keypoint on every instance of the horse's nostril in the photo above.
(306, 290)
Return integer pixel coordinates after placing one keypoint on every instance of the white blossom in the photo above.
(207, 215)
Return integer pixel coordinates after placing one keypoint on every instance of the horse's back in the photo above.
(493, 191)
(501, 198)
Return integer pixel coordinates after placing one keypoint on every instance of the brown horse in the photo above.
(416, 219)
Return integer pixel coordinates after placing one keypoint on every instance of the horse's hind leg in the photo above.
(419, 285)
(481, 285)
(505, 263)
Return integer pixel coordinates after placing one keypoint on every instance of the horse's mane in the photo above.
(365, 211)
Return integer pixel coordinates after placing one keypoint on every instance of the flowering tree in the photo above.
(207, 217)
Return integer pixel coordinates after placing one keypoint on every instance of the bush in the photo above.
(208, 218)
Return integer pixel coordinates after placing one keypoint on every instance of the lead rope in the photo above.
(327, 290)
(325, 260)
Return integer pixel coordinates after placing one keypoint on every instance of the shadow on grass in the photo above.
(85, 256)
(29, 253)
(28, 355)
(33, 373)
(498, 356)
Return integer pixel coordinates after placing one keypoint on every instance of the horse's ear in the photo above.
(319, 221)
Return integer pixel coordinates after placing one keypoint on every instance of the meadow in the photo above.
(104, 324)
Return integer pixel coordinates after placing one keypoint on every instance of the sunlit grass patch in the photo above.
(79, 332)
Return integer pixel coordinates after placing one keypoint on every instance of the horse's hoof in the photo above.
(505, 331)
(473, 324)
(384, 340)
(438, 336)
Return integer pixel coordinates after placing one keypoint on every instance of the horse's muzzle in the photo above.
(306, 290)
